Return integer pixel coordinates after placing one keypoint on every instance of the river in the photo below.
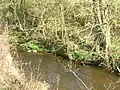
(62, 74)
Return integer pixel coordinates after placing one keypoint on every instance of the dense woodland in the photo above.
(81, 29)
(87, 31)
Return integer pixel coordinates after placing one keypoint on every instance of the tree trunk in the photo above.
(104, 28)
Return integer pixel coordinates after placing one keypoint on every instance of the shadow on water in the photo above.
(49, 68)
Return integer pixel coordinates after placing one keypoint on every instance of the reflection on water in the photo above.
(47, 67)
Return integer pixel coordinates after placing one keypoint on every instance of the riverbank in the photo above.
(12, 77)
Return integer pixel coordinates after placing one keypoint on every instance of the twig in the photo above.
(80, 80)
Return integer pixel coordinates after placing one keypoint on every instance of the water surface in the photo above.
(56, 71)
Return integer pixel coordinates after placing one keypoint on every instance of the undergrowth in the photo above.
(12, 77)
(61, 27)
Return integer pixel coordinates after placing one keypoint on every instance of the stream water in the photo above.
(58, 72)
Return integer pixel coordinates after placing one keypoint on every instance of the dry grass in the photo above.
(12, 78)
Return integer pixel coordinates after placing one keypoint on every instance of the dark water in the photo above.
(56, 71)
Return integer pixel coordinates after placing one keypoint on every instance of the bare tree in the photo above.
(101, 28)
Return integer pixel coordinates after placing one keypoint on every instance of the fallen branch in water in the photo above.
(80, 80)
(73, 72)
